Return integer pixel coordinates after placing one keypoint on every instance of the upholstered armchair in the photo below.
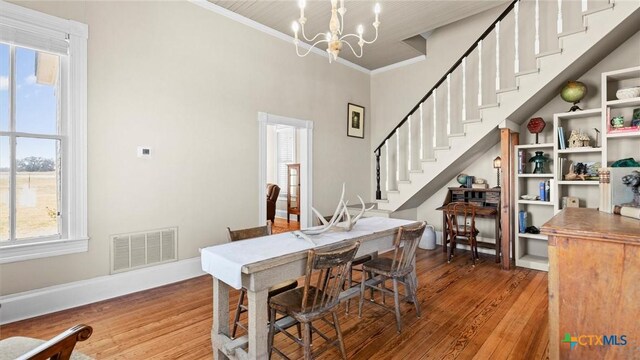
(273, 190)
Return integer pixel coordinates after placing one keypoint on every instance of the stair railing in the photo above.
(446, 77)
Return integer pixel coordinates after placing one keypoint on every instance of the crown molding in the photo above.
(399, 64)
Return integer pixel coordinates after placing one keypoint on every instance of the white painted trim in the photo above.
(306, 164)
(21, 252)
(73, 109)
(269, 31)
(508, 124)
(399, 64)
(41, 20)
(60, 297)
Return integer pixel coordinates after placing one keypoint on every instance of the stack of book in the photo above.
(562, 144)
(522, 160)
(545, 190)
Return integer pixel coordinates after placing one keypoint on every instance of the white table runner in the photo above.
(225, 261)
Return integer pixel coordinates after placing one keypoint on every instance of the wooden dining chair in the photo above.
(399, 269)
(461, 223)
(243, 234)
(60, 347)
(326, 273)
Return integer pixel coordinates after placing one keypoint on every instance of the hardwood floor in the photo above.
(467, 313)
(280, 225)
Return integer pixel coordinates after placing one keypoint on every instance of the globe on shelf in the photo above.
(573, 92)
(462, 179)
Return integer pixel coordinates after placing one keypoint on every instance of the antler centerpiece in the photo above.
(334, 223)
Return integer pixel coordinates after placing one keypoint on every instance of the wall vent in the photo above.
(141, 249)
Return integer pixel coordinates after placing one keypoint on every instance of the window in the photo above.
(42, 135)
(286, 152)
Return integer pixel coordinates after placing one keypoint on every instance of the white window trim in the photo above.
(283, 189)
(74, 192)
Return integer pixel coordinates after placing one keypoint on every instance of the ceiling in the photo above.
(399, 20)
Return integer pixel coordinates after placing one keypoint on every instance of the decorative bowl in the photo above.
(628, 93)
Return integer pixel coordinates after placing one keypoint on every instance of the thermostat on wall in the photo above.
(144, 151)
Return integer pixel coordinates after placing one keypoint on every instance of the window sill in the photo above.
(21, 252)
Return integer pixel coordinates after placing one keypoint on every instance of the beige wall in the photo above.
(189, 83)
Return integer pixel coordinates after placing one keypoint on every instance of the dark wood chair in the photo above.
(59, 348)
(243, 234)
(273, 190)
(461, 223)
(399, 269)
(327, 271)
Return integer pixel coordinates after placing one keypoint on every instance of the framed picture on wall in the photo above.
(355, 121)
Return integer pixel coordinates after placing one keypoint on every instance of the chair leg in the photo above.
(336, 324)
(272, 327)
(299, 331)
(413, 289)
(397, 303)
(236, 318)
(306, 338)
(362, 290)
(349, 283)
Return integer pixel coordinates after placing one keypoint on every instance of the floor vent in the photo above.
(138, 250)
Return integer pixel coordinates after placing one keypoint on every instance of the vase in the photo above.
(538, 160)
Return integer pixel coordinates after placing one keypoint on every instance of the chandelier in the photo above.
(335, 37)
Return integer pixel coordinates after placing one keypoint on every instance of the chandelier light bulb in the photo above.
(328, 36)
(360, 30)
(376, 9)
(302, 4)
(295, 27)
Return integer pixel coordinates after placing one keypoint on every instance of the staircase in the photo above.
(513, 69)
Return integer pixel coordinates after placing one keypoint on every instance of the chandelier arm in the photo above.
(310, 39)
(353, 50)
(308, 50)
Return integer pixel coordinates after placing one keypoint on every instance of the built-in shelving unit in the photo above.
(531, 249)
(612, 145)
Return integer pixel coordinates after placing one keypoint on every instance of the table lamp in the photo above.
(497, 164)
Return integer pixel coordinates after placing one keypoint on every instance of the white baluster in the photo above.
(480, 73)
(449, 104)
(397, 156)
(409, 145)
(386, 165)
(464, 89)
(421, 134)
(498, 55)
(435, 112)
(559, 17)
(536, 44)
(516, 65)
(584, 5)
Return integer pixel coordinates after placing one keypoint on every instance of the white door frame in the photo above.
(306, 164)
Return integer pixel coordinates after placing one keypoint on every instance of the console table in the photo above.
(593, 285)
(488, 206)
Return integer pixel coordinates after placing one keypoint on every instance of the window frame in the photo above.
(73, 128)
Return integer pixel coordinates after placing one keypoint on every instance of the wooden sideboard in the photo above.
(594, 285)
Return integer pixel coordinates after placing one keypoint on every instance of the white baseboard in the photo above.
(32, 303)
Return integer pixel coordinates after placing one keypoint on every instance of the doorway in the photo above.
(304, 131)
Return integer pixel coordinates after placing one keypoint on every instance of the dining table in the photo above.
(259, 263)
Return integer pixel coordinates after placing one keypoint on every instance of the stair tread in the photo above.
(598, 9)
(487, 106)
(571, 32)
(500, 91)
(549, 53)
(416, 171)
(442, 147)
(471, 121)
(527, 72)
(457, 134)
(429, 160)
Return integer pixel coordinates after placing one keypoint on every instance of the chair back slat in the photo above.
(243, 234)
(331, 269)
(406, 243)
(458, 214)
